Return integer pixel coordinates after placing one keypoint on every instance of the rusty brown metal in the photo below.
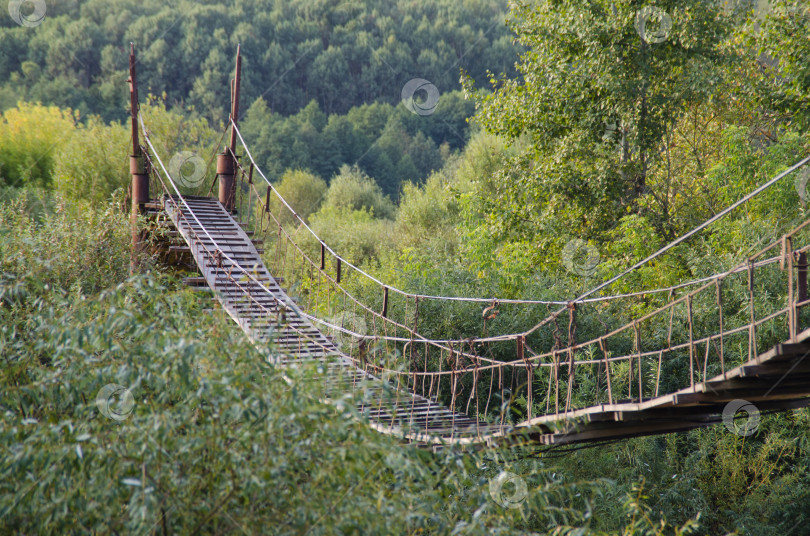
(225, 172)
(323, 256)
(225, 164)
(137, 164)
(802, 265)
(226, 188)
(133, 100)
(235, 100)
(138, 169)
(226, 161)
(140, 192)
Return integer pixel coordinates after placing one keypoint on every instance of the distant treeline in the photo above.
(387, 142)
(340, 53)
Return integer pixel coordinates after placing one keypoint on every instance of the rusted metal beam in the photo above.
(133, 101)
(235, 101)
(225, 172)
(226, 162)
(139, 188)
(323, 256)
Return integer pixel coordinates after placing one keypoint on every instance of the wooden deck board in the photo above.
(774, 380)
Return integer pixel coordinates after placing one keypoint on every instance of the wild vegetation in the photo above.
(584, 130)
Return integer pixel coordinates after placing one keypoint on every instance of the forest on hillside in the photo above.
(310, 69)
(569, 141)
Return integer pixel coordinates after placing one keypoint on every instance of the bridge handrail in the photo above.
(584, 298)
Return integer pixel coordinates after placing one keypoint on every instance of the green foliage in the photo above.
(353, 190)
(387, 142)
(89, 164)
(172, 131)
(46, 239)
(49, 147)
(303, 191)
(210, 440)
(29, 137)
(357, 234)
(597, 101)
(785, 84)
(428, 213)
(342, 53)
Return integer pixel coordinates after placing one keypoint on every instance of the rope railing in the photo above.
(185, 210)
(583, 298)
(651, 355)
(502, 379)
(186, 214)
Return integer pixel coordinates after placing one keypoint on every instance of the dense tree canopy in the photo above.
(340, 53)
(627, 123)
(603, 86)
(387, 142)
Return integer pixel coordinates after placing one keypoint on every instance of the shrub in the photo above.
(304, 191)
(354, 190)
(29, 136)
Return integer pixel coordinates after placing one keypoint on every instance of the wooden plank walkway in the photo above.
(776, 380)
(389, 410)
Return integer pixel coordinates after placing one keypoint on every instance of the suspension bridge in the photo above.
(685, 353)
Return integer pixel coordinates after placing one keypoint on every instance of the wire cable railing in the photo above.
(452, 369)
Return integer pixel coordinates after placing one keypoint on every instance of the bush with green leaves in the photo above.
(353, 190)
(356, 234)
(48, 147)
(303, 191)
(126, 408)
(29, 136)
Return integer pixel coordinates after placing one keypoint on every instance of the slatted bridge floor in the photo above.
(255, 303)
(776, 380)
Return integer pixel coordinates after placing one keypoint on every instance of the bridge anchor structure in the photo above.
(686, 355)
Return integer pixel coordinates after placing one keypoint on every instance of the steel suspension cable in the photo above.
(584, 298)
